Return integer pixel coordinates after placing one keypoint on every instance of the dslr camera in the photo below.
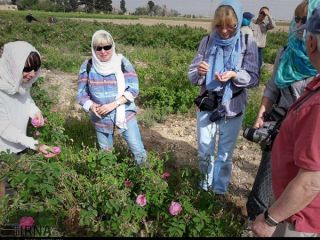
(266, 135)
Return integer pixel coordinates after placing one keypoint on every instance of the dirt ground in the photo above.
(176, 135)
(152, 21)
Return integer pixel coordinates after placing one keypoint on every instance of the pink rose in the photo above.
(36, 123)
(128, 183)
(175, 208)
(26, 222)
(165, 175)
(141, 200)
(56, 150)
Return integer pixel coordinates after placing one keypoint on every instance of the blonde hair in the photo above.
(102, 39)
(224, 15)
(301, 9)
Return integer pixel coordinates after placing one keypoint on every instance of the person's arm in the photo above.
(271, 23)
(33, 109)
(305, 186)
(248, 75)
(131, 91)
(11, 133)
(193, 74)
(298, 194)
(132, 82)
(265, 106)
(83, 96)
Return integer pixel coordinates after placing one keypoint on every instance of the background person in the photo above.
(108, 91)
(246, 21)
(296, 159)
(229, 66)
(260, 28)
(19, 69)
(291, 73)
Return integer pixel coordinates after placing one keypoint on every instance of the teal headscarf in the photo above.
(246, 22)
(294, 64)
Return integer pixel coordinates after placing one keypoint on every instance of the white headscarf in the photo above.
(113, 66)
(12, 62)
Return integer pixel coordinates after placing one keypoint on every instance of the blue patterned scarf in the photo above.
(224, 54)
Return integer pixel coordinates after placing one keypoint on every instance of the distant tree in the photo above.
(141, 11)
(73, 4)
(151, 7)
(89, 5)
(123, 6)
(26, 4)
(103, 5)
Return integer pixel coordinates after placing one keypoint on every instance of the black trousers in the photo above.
(261, 194)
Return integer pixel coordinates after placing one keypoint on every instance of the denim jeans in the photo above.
(217, 172)
(132, 137)
(260, 58)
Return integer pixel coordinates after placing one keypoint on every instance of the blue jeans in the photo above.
(217, 172)
(132, 137)
(260, 57)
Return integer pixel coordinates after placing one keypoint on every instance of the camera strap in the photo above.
(295, 108)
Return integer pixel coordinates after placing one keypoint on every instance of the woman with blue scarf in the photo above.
(291, 73)
(226, 65)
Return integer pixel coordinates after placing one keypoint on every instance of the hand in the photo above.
(93, 108)
(259, 123)
(266, 12)
(43, 149)
(39, 118)
(261, 229)
(106, 108)
(224, 77)
(203, 68)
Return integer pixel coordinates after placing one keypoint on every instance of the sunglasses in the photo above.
(229, 28)
(106, 48)
(29, 69)
(262, 13)
(302, 19)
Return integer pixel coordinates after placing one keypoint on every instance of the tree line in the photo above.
(93, 6)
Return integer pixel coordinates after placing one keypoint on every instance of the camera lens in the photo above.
(248, 133)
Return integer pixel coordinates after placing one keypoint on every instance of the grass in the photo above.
(42, 14)
(160, 54)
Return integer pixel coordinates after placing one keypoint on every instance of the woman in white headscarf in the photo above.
(107, 87)
(19, 69)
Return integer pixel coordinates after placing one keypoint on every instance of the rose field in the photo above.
(83, 191)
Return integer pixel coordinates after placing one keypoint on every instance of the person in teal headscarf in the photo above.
(291, 73)
(225, 66)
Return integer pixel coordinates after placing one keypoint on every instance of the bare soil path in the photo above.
(177, 135)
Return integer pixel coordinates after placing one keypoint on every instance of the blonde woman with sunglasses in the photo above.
(107, 87)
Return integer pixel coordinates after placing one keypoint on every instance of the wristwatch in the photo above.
(269, 220)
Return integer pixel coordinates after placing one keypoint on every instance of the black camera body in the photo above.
(218, 113)
(266, 135)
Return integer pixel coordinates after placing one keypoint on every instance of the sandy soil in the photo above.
(177, 135)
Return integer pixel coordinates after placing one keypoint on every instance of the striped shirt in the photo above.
(247, 76)
(103, 90)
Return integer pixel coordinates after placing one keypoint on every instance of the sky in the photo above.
(280, 9)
